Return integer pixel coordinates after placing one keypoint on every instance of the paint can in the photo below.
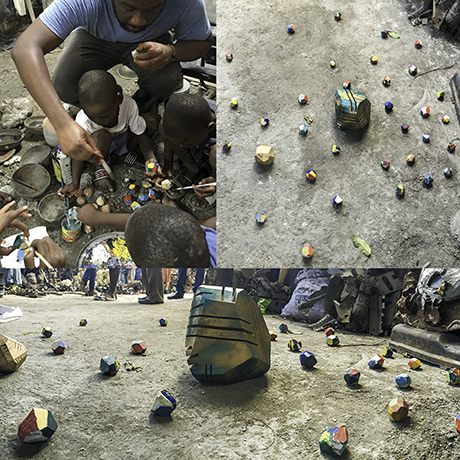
(70, 234)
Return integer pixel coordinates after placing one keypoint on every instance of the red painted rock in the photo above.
(138, 347)
(453, 376)
(58, 347)
(329, 331)
(414, 363)
(38, 426)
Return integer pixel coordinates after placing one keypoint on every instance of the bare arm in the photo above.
(28, 55)
(89, 216)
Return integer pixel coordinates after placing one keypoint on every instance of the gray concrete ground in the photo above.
(269, 70)
(280, 415)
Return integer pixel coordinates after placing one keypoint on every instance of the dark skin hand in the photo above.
(89, 216)
(9, 218)
(49, 250)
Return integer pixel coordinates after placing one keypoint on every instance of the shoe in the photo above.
(177, 295)
(145, 300)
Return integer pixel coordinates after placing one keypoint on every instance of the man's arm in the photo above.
(89, 216)
(28, 55)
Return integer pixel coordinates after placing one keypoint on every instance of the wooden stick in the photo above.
(192, 186)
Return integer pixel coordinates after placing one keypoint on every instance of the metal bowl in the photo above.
(10, 138)
(32, 174)
(39, 154)
(35, 124)
(51, 208)
(126, 73)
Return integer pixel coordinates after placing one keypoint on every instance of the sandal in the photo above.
(100, 297)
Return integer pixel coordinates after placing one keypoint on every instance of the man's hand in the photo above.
(10, 218)
(49, 250)
(6, 251)
(205, 191)
(77, 143)
(152, 56)
(87, 214)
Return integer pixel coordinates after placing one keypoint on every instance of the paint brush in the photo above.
(18, 181)
(66, 204)
(192, 186)
(108, 170)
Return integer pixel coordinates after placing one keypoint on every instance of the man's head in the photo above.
(100, 97)
(163, 236)
(188, 120)
(135, 15)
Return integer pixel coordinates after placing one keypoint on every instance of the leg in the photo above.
(199, 278)
(92, 280)
(103, 141)
(180, 286)
(153, 281)
(114, 274)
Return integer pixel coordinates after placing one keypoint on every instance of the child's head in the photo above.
(164, 236)
(100, 97)
(188, 120)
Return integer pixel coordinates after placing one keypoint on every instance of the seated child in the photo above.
(160, 236)
(110, 117)
(189, 131)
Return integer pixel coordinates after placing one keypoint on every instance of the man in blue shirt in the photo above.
(103, 33)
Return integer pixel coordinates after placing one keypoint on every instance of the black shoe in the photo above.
(145, 300)
(176, 296)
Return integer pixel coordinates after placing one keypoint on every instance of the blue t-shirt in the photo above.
(212, 245)
(187, 18)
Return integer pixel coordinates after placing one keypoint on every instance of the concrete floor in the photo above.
(269, 70)
(280, 415)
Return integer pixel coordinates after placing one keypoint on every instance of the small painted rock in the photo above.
(445, 119)
(134, 206)
(398, 409)
(333, 64)
(128, 200)
(83, 322)
(126, 182)
(388, 107)
(152, 168)
(346, 84)
(260, 218)
(332, 341)
(414, 363)
(451, 147)
(164, 404)
(132, 189)
(410, 159)
(58, 347)
(144, 198)
(109, 365)
(138, 347)
(448, 173)
(311, 175)
(425, 112)
(400, 191)
(376, 362)
(337, 201)
(264, 121)
(453, 376)
(428, 181)
(386, 81)
(334, 440)
(294, 345)
(335, 149)
(457, 424)
(426, 138)
(233, 103)
(307, 251)
(291, 28)
(387, 352)
(163, 322)
(166, 184)
(329, 331)
(338, 16)
(283, 328)
(303, 129)
(405, 128)
(307, 360)
(374, 60)
(47, 332)
(385, 164)
(39, 425)
(440, 95)
(412, 69)
(302, 98)
(352, 377)
(273, 336)
(229, 57)
(384, 33)
(226, 146)
(418, 44)
(403, 380)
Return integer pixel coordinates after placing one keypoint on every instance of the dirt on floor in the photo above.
(280, 415)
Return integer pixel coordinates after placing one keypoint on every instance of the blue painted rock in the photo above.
(58, 347)
(451, 147)
(398, 409)
(163, 322)
(448, 173)
(164, 404)
(457, 424)
(109, 365)
(338, 16)
(337, 201)
(384, 33)
(387, 352)
(311, 175)
(400, 191)
(264, 121)
(303, 129)
(386, 81)
(453, 376)
(138, 347)
(388, 107)
(83, 322)
(335, 149)
(332, 340)
(385, 164)
(307, 360)
(260, 218)
(334, 440)
(412, 69)
(414, 363)
(426, 138)
(403, 380)
(283, 328)
(294, 345)
(291, 28)
(376, 362)
(405, 128)
(428, 181)
(152, 167)
(425, 112)
(47, 332)
(352, 376)
(39, 425)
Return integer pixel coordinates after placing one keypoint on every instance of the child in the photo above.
(189, 131)
(110, 117)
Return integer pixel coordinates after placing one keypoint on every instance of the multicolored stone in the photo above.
(47, 332)
(39, 425)
(291, 28)
(428, 181)
(387, 352)
(332, 341)
(294, 345)
(138, 347)
(414, 363)
(400, 191)
(163, 322)
(334, 440)
(398, 409)
(164, 404)
(352, 377)
(311, 175)
(260, 218)
(58, 347)
(109, 365)
(83, 322)
(307, 251)
(453, 376)
(307, 360)
(403, 380)
(412, 69)
(302, 98)
(376, 362)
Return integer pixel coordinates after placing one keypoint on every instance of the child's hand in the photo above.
(166, 174)
(9, 218)
(151, 56)
(6, 250)
(158, 172)
(49, 250)
(68, 191)
(87, 214)
(205, 191)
